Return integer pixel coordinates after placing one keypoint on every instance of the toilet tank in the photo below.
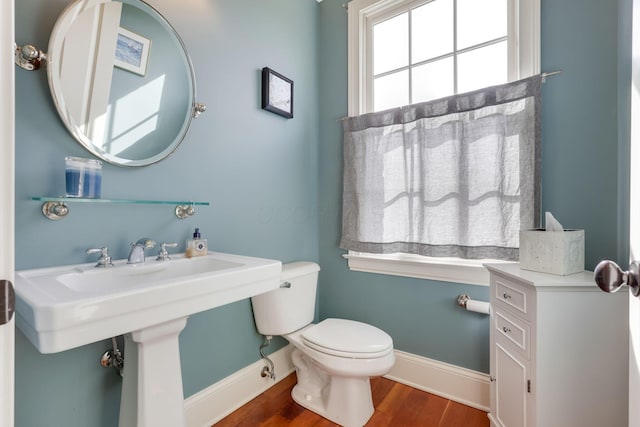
(292, 306)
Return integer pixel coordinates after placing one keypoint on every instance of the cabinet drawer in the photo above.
(512, 295)
(514, 330)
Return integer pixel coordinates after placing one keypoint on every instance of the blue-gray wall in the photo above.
(262, 173)
(579, 179)
(258, 170)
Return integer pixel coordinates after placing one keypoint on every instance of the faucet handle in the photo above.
(105, 258)
(163, 255)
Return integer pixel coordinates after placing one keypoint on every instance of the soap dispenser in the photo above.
(196, 246)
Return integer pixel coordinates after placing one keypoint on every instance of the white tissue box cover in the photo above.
(555, 252)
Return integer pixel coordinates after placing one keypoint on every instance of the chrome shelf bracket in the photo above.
(185, 211)
(55, 210)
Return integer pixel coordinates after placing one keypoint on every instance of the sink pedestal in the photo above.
(59, 308)
(152, 379)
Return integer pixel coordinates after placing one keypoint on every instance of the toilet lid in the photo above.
(348, 338)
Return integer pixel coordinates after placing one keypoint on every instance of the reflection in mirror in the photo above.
(126, 92)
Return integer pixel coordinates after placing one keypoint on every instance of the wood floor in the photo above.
(397, 405)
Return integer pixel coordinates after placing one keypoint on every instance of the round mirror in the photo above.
(121, 80)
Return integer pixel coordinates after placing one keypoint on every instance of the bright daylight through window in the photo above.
(437, 49)
(404, 52)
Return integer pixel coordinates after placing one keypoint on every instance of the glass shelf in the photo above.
(118, 201)
(56, 208)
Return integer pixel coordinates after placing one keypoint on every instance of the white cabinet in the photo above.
(559, 350)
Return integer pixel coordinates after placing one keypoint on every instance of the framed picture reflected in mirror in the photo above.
(132, 52)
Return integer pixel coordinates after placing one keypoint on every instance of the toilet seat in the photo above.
(348, 338)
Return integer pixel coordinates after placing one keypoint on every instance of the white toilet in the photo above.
(334, 358)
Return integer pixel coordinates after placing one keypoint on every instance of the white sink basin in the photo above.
(64, 307)
(100, 281)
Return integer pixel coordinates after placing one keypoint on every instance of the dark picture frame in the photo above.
(277, 93)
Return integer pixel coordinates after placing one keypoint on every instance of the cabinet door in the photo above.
(511, 371)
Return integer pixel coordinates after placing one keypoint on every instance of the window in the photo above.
(435, 50)
(403, 52)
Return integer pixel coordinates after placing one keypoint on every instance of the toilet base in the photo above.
(344, 400)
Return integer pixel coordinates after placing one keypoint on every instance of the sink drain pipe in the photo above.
(269, 370)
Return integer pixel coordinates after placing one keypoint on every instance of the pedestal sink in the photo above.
(64, 307)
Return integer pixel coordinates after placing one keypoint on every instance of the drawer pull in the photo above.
(506, 330)
(506, 296)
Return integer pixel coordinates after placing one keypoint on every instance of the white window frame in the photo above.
(523, 44)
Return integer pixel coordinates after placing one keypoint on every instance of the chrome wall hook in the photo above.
(29, 57)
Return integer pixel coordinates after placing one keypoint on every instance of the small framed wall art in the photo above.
(132, 52)
(277, 93)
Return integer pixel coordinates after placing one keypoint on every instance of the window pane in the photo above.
(431, 30)
(433, 80)
(391, 44)
(481, 21)
(482, 67)
(391, 91)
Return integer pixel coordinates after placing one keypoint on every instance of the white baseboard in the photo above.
(461, 385)
(210, 405)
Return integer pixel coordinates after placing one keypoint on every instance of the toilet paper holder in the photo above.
(468, 304)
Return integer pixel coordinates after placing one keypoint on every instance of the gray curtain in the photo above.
(455, 177)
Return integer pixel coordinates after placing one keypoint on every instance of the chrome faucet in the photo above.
(105, 258)
(136, 256)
